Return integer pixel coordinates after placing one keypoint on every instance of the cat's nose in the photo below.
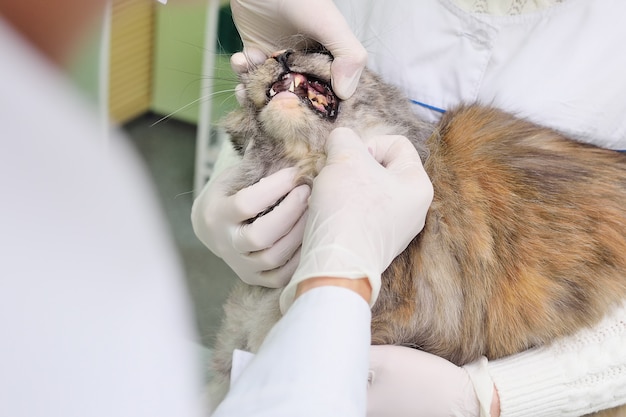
(282, 57)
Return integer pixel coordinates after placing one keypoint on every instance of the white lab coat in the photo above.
(313, 363)
(561, 67)
(94, 316)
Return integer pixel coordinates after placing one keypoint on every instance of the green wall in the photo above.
(179, 49)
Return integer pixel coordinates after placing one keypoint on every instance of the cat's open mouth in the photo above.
(315, 93)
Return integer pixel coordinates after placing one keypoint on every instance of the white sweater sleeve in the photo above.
(313, 363)
(577, 375)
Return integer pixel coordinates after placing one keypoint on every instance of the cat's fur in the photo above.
(524, 242)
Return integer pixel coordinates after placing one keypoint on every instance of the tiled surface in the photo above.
(168, 149)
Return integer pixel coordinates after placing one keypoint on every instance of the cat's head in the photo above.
(290, 105)
(288, 101)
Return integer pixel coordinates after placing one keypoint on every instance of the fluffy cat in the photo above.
(524, 242)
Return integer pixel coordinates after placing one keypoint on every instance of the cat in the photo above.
(525, 240)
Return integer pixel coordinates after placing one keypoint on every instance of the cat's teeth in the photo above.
(272, 92)
(297, 82)
(292, 87)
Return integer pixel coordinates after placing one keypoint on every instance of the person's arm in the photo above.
(360, 286)
(315, 360)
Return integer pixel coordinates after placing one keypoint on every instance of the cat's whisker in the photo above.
(224, 75)
(228, 97)
(183, 193)
(186, 106)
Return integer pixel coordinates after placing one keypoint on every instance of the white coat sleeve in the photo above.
(575, 376)
(314, 362)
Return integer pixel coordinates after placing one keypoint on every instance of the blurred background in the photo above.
(161, 72)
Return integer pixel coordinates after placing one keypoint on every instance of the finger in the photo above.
(345, 73)
(265, 231)
(282, 250)
(350, 56)
(240, 94)
(238, 63)
(280, 277)
(399, 156)
(250, 58)
(250, 201)
(256, 23)
(279, 262)
(394, 152)
(276, 275)
(343, 144)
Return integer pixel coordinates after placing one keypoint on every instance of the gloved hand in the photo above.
(265, 252)
(406, 382)
(262, 23)
(365, 208)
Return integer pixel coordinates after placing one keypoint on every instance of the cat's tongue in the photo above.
(317, 94)
(286, 96)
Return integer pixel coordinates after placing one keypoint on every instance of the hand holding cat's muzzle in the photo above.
(362, 213)
(264, 24)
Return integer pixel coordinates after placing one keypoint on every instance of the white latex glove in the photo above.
(365, 208)
(406, 382)
(265, 252)
(263, 23)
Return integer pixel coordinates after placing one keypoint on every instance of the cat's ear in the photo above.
(242, 127)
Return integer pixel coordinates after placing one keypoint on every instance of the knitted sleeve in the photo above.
(574, 376)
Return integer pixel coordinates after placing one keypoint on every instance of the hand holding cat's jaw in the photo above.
(265, 252)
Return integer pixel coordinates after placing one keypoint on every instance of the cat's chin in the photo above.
(286, 118)
(285, 110)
